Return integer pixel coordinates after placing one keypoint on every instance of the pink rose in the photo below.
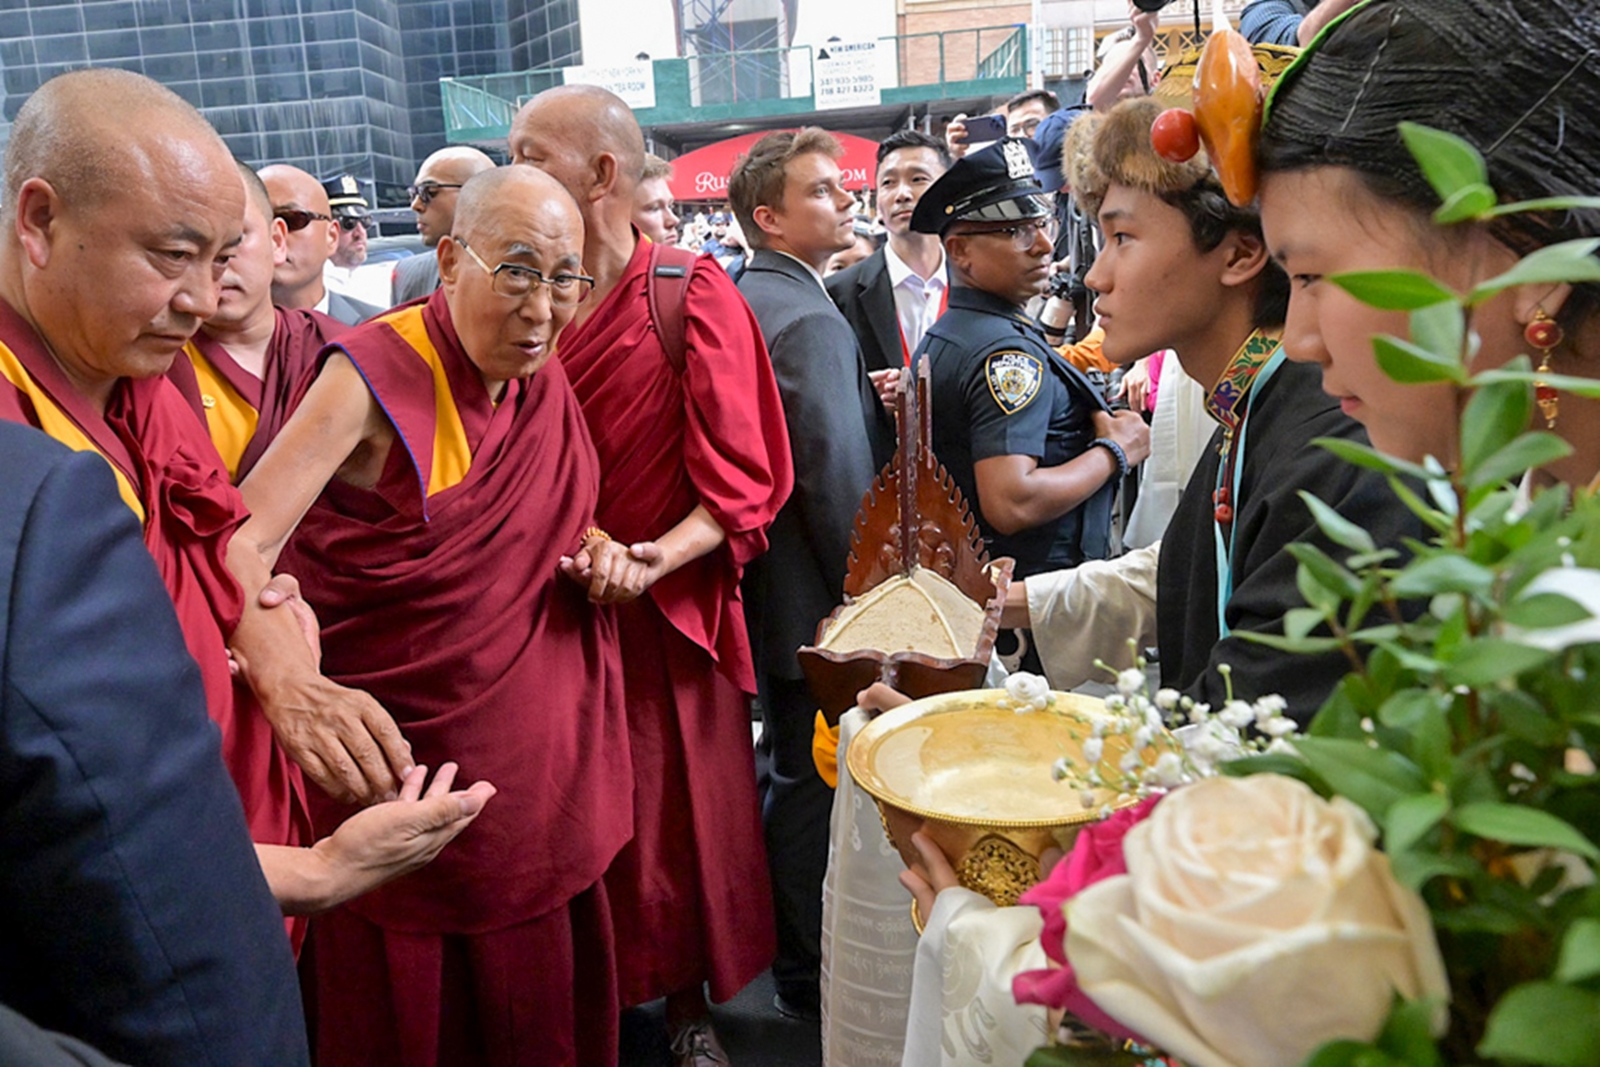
(1096, 855)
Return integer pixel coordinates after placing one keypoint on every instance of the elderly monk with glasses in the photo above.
(428, 491)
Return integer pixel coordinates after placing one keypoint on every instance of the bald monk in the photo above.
(241, 369)
(123, 206)
(311, 238)
(433, 199)
(694, 464)
(443, 472)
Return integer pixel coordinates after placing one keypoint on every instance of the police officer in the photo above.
(1028, 439)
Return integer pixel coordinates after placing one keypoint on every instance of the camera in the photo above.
(1151, 5)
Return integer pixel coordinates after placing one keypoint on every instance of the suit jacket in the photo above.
(840, 437)
(349, 310)
(414, 276)
(136, 915)
(866, 299)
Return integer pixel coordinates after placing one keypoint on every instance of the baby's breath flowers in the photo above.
(1166, 741)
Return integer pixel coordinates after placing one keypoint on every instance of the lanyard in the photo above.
(1230, 474)
(944, 305)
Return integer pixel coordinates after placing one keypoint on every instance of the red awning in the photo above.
(703, 173)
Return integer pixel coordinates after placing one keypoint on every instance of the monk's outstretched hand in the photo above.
(341, 738)
(391, 839)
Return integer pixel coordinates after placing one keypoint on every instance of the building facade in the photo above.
(330, 86)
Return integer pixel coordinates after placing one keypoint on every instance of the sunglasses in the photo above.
(424, 193)
(297, 219)
(350, 222)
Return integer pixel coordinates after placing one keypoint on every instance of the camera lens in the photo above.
(1151, 5)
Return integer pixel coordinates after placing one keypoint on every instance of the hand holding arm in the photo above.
(342, 738)
(619, 573)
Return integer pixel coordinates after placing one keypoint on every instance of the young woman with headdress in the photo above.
(1340, 192)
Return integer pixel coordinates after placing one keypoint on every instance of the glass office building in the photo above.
(330, 86)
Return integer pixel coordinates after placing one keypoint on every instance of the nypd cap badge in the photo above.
(1014, 379)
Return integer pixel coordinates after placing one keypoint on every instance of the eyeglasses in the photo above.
(424, 193)
(515, 282)
(297, 219)
(1023, 234)
(350, 222)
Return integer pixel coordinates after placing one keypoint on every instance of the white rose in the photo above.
(1027, 692)
(1255, 923)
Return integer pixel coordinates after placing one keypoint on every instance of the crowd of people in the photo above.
(556, 519)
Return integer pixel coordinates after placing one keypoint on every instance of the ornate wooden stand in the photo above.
(913, 515)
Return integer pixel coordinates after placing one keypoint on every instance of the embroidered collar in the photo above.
(1230, 397)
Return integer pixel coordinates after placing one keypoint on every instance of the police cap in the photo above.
(996, 184)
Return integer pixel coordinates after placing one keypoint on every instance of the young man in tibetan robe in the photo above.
(112, 261)
(243, 366)
(694, 464)
(440, 476)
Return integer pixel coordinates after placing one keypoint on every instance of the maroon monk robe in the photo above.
(298, 336)
(690, 894)
(449, 609)
(149, 436)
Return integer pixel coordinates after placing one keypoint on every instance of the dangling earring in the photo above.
(1544, 334)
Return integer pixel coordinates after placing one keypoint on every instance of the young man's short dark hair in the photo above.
(758, 178)
(914, 139)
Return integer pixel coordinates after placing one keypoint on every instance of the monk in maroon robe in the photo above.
(122, 201)
(694, 465)
(246, 365)
(445, 476)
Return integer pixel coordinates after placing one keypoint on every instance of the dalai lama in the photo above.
(445, 476)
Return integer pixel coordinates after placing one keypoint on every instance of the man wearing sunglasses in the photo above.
(433, 198)
(312, 236)
(1024, 434)
(435, 479)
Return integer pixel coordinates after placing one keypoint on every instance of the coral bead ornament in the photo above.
(1544, 334)
(1175, 135)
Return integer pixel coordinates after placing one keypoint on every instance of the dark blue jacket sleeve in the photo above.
(136, 915)
(1270, 22)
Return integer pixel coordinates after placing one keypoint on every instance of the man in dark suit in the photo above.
(795, 213)
(310, 237)
(137, 916)
(893, 296)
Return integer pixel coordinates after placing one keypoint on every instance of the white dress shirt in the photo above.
(917, 301)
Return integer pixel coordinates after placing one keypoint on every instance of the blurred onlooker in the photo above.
(1128, 62)
(652, 205)
(893, 297)
(433, 198)
(713, 245)
(865, 245)
(1026, 110)
(1287, 22)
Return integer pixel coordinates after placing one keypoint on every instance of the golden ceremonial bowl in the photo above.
(976, 777)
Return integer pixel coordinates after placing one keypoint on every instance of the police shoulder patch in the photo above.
(1014, 379)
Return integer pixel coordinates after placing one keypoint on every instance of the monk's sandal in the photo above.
(695, 1045)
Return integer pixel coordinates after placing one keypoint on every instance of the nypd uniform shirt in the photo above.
(999, 390)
